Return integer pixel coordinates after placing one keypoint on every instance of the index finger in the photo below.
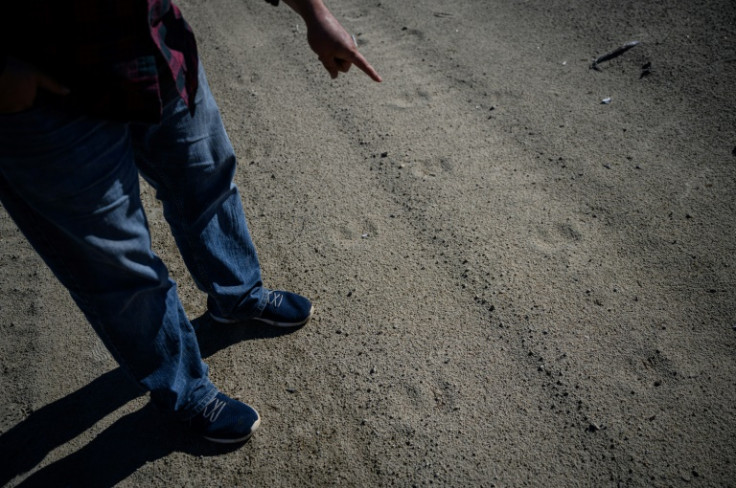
(359, 61)
(50, 84)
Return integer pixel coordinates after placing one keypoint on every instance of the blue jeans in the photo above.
(70, 182)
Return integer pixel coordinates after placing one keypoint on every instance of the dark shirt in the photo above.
(112, 54)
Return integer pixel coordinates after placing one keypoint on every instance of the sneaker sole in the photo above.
(273, 323)
(238, 440)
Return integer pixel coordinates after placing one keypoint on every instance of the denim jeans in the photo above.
(71, 184)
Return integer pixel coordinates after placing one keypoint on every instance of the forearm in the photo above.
(309, 10)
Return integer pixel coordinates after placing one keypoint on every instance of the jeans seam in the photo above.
(200, 269)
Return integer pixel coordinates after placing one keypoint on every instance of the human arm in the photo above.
(20, 83)
(329, 40)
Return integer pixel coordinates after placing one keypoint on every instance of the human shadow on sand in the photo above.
(130, 442)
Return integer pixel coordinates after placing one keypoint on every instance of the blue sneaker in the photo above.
(226, 421)
(283, 309)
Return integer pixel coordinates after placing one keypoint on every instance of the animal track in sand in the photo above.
(349, 234)
(556, 236)
(431, 168)
(407, 100)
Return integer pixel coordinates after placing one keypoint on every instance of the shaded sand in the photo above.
(515, 284)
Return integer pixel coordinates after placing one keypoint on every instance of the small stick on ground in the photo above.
(613, 54)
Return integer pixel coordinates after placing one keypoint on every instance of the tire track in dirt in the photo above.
(420, 245)
(429, 171)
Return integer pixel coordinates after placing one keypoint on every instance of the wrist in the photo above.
(309, 10)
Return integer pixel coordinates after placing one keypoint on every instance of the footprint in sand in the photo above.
(431, 168)
(349, 234)
(411, 99)
(551, 238)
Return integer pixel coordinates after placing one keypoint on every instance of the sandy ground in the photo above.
(515, 284)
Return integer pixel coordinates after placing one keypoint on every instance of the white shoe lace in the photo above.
(274, 299)
(213, 409)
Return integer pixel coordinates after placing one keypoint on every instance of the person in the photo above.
(93, 94)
